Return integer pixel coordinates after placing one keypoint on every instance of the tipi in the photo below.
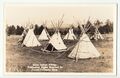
(56, 43)
(30, 39)
(97, 35)
(44, 35)
(84, 48)
(70, 35)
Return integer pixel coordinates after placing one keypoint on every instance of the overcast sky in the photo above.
(19, 14)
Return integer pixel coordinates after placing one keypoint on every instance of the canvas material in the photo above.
(84, 49)
(70, 35)
(44, 35)
(98, 35)
(30, 39)
(57, 41)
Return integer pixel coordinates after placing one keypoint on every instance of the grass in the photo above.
(19, 58)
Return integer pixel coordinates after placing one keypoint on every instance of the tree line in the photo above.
(18, 30)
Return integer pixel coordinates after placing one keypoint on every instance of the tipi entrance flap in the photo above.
(57, 41)
(50, 47)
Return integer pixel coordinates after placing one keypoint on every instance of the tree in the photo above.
(36, 30)
(11, 30)
(40, 29)
(22, 29)
(18, 30)
(108, 27)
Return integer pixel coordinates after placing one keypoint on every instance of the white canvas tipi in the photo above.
(44, 35)
(97, 35)
(84, 49)
(70, 35)
(30, 39)
(56, 43)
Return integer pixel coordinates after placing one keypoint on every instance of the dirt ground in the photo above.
(19, 58)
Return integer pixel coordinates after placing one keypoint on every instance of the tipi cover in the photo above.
(70, 35)
(44, 35)
(84, 49)
(30, 39)
(56, 43)
(97, 35)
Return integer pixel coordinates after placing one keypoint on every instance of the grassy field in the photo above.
(19, 58)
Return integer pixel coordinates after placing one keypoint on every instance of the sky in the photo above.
(20, 14)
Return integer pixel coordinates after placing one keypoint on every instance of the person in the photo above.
(20, 41)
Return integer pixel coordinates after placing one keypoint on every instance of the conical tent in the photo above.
(97, 35)
(44, 35)
(70, 35)
(84, 49)
(30, 39)
(56, 43)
